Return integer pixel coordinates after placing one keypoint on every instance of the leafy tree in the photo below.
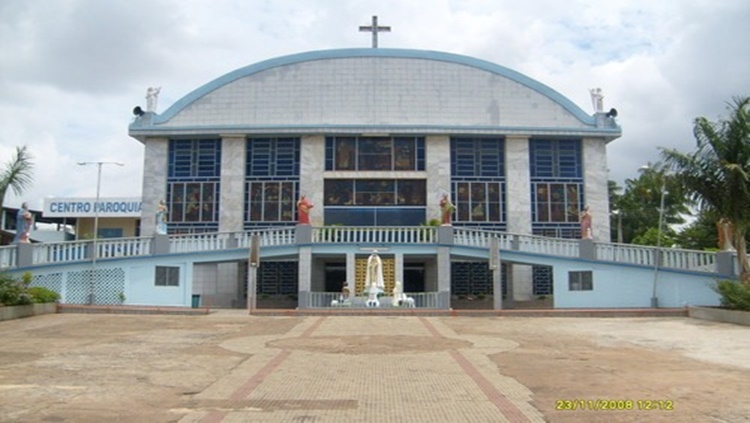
(717, 174)
(638, 207)
(17, 175)
(700, 234)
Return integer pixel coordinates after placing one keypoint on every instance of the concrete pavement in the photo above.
(231, 367)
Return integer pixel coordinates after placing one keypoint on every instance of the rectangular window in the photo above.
(272, 180)
(375, 153)
(167, 276)
(374, 192)
(194, 174)
(580, 280)
(555, 159)
(478, 181)
(556, 202)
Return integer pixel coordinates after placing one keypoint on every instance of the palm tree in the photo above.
(17, 175)
(717, 174)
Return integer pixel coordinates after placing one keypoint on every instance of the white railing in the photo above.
(61, 252)
(8, 256)
(550, 246)
(625, 253)
(190, 243)
(688, 259)
(375, 235)
(268, 237)
(67, 251)
(479, 238)
(644, 256)
(123, 247)
(325, 300)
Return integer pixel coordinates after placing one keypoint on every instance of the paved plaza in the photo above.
(230, 367)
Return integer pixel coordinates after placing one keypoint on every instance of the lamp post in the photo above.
(92, 279)
(657, 252)
(658, 257)
(618, 213)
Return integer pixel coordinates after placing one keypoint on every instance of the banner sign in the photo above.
(88, 207)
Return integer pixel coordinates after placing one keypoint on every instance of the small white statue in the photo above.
(398, 294)
(372, 296)
(375, 271)
(152, 97)
(597, 99)
(399, 298)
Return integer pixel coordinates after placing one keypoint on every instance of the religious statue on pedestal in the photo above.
(23, 224)
(446, 209)
(597, 99)
(586, 223)
(303, 211)
(161, 218)
(152, 97)
(374, 283)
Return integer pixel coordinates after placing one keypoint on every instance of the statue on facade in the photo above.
(303, 211)
(586, 232)
(597, 99)
(374, 283)
(724, 229)
(375, 271)
(446, 209)
(23, 223)
(152, 97)
(161, 218)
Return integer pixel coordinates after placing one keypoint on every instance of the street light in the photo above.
(92, 279)
(657, 252)
(618, 213)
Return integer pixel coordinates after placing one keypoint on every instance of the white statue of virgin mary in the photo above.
(374, 278)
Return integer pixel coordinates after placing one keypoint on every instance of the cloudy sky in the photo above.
(71, 71)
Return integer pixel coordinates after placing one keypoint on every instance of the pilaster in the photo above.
(155, 164)
(311, 181)
(518, 185)
(438, 168)
(232, 197)
(595, 189)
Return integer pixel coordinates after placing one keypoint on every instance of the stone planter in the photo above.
(717, 314)
(19, 311)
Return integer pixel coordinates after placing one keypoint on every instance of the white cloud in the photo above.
(71, 71)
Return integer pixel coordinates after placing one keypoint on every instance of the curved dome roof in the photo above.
(370, 89)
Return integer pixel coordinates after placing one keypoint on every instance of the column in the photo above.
(497, 274)
(518, 187)
(232, 197)
(351, 272)
(595, 189)
(518, 184)
(311, 181)
(155, 165)
(304, 277)
(444, 277)
(398, 269)
(438, 168)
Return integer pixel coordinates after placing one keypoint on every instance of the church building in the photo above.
(375, 137)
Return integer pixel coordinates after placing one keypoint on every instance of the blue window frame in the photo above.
(556, 187)
(400, 153)
(271, 181)
(193, 184)
(478, 181)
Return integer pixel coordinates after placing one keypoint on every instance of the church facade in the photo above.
(375, 137)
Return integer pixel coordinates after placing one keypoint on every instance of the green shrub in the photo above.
(15, 291)
(10, 290)
(43, 295)
(734, 295)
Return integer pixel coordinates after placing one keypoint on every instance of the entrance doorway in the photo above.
(335, 277)
(414, 277)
